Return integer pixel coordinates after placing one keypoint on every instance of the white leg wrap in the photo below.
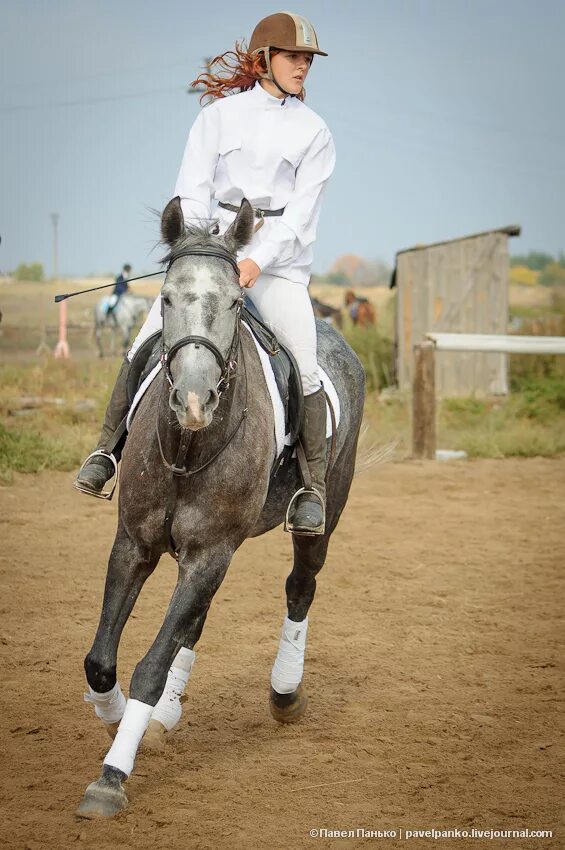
(130, 732)
(168, 710)
(110, 706)
(289, 663)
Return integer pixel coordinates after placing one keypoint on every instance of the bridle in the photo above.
(228, 364)
(228, 369)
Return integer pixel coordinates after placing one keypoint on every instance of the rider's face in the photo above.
(291, 69)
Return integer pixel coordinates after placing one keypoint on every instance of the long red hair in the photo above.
(243, 70)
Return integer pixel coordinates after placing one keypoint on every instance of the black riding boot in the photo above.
(101, 465)
(309, 516)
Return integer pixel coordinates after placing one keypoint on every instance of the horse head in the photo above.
(200, 303)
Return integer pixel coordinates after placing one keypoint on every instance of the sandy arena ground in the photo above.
(433, 672)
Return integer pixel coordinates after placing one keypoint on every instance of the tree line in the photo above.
(538, 267)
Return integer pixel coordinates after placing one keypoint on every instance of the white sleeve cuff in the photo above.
(264, 254)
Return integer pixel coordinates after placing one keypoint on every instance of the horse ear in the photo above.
(172, 222)
(239, 233)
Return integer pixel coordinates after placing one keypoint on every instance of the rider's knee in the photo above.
(310, 380)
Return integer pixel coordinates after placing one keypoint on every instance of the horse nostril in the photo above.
(176, 400)
(211, 399)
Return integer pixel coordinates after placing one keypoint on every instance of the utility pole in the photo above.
(55, 222)
(43, 348)
(62, 347)
(198, 89)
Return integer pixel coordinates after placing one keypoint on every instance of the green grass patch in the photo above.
(28, 450)
(375, 351)
(51, 435)
(524, 424)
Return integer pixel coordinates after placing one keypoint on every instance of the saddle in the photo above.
(285, 369)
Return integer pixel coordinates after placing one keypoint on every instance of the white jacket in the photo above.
(276, 153)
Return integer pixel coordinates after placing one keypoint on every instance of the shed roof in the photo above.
(510, 230)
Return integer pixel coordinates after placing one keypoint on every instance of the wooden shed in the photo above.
(457, 286)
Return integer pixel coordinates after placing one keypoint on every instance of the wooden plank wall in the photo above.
(461, 286)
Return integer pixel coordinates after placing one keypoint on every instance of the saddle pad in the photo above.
(281, 439)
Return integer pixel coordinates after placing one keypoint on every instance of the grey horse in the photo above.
(226, 422)
(120, 321)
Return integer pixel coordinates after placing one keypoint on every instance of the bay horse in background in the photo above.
(196, 479)
(360, 309)
(328, 314)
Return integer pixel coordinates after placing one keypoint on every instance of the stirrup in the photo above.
(288, 523)
(103, 494)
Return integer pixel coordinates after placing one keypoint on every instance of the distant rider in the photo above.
(121, 286)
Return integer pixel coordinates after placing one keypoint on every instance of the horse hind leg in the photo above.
(168, 711)
(288, 700)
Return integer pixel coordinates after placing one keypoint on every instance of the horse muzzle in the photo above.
(193, 410)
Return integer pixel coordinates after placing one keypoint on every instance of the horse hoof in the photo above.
(155, 736)
(288, 708)
(105, 797)
(112, 729)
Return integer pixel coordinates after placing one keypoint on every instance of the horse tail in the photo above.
(370, 453)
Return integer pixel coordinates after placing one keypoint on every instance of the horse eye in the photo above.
(166, 300)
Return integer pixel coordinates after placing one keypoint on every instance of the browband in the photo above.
(221, 253)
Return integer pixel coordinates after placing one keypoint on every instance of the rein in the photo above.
(228, 369)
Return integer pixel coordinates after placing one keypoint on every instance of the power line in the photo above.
(465, 122)
(118, 72)
(34, 107)
(389, 141)
(354, 127)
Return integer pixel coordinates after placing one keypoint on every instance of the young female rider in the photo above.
(262, 143)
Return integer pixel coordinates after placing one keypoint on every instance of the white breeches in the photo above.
(286, 308)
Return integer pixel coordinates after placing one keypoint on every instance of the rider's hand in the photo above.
(249, 271)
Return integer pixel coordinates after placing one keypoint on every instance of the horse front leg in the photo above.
(125, 340)
(129, 567)
(98, 338)
(200, 575)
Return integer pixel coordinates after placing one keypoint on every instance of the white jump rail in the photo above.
(424, 393)
(498, 343)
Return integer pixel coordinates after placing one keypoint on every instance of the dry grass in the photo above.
(28, 307)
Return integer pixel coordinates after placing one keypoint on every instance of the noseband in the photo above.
(228, 364)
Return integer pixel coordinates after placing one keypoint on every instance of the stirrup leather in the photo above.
(288, 522)
(104, 494)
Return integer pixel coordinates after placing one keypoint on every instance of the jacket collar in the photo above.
(263, 96)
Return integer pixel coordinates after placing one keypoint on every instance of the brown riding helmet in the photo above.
(285, 31)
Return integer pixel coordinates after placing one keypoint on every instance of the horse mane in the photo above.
(203, 235)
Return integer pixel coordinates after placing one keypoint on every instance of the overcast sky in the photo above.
(448, 118)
